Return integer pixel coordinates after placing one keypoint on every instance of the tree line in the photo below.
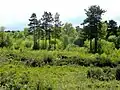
(48, 32)
(44, 28)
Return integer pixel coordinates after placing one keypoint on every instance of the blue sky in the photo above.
(14, 14)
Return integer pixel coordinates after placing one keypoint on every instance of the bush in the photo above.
(33, 58)
(17, 77)
(95, 73)
(65, 41)
(103, 46)
(118, 42)
(43, 44)
(102, 74)
(28, 44)
(112, 38)
(79, 42)
(118, 73)
(75, 55)
(106, 47)
(103, 60)
(72, 47)
(59, 45)
(16, 46)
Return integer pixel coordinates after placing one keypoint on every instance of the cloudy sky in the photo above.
(14, 14)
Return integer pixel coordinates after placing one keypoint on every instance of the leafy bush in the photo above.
(95, 73)
(72, 47)
(16, 46)
(118, 42)
(118, 73)
(75, 55)
(103, 46)
(20, 79)
(112, 38)
(65, 41)
(79, 42)
(106, 47)
(28, 44)
(33, 58)
(103, 60)
(59, 45)
(43, 44)
(102, 74)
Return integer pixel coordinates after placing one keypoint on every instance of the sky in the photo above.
(14, 14)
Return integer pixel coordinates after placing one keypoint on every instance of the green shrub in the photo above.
(43, 45)
(106, 47)
(109, 73)
(112, 38)
(18, 77)
(87, 44)
(16, 46)
(102, 74)
(95, 73)
(72, 47)
(65, 41)
(103, 46)
(118, 73)
(118, 42)
(79, 42)
(103, 60)
(28, 44)
(59, 45)
(75, 55)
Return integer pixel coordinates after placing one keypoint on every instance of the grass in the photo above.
(67, 70)
(56, 78)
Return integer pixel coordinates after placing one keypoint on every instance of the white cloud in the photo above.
(13, 12)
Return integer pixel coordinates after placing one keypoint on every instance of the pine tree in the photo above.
(93, 22)
(47, 21)
(33, 28)
(112, 28)
(57, 26)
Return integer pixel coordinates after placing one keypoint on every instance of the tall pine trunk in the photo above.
(55, 39)
(55, 42)
(90, 45)
(46, 39)
(96, 45)
(38, 38)
(96, 39)
(34, 46)
(49, 40)
(2, 39)
(43, 40)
